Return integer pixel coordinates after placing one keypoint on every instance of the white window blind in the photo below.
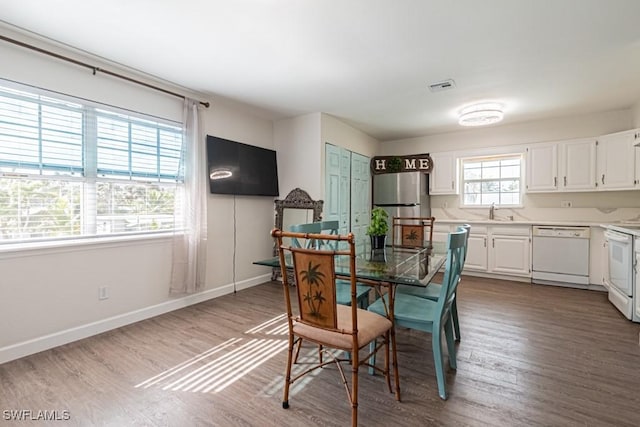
(69, 169)
(492, 180)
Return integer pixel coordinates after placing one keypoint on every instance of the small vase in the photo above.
(378, 242)
(378, 253)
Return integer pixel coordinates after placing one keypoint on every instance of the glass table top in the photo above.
(395, 265)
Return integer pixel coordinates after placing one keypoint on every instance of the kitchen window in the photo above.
(492, 180)
(70, 168)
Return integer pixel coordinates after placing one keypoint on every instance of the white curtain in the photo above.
(190, 238)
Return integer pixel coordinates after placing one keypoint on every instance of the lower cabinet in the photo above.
(494, 249)
(504, 250)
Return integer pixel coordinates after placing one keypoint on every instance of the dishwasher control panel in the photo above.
(568, 232)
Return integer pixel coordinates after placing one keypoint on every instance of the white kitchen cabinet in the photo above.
(577, 165)
(542, 168)
(510, 251)
(637, 149)
(561, 166)
(477, 255)
(443, 179)
(598, 257)
(637, 278)
(499, 249)
(616, 161)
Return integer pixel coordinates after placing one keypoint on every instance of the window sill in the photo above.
(12, 250)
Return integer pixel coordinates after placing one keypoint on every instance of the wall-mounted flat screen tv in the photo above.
(241, 169)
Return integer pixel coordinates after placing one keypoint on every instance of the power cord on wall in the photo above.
(234, 244)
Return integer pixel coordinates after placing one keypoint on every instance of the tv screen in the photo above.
(241, 169)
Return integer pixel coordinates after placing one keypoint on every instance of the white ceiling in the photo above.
(367, 62)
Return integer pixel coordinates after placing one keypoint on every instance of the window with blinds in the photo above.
(492, 180)
(71, 169)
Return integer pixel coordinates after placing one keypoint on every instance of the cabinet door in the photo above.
(598, 256)
(477, 253)
(443, 179)
(542, 168)
(616, 161)
(577, 168)
(636, 138)
(510, 255)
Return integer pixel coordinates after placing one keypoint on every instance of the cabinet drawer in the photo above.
(511, 230)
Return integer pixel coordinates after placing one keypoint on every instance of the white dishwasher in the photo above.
(560, 256)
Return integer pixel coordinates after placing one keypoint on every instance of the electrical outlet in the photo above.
(103, 292)
(565, 204)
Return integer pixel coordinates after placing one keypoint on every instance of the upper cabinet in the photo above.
(616, 161)
(443, 179)
(562, 166)
(577, 165)
(542, 168)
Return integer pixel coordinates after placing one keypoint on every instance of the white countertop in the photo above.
(535, 222)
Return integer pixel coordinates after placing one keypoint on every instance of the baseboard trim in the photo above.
(46, 342)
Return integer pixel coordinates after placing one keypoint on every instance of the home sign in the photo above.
(394, 164)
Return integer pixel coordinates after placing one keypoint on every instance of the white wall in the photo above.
(50, 296)
(297, 141)
(636, 115)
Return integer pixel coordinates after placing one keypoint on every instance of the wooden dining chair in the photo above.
(430, 316)
(432, 291)
(412, 231)
(318, 318)
(343, 292)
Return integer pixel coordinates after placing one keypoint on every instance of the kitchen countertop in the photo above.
(535, 222)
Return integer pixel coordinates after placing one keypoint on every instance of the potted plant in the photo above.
(378, 228)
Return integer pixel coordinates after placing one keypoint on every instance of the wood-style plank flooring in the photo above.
(530, 355)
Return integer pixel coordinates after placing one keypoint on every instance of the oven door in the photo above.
(620, 261)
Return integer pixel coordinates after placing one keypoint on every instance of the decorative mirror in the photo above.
(297, 208)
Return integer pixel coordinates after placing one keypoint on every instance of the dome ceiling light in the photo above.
(481, 114)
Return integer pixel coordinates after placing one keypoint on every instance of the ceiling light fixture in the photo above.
(481, 114)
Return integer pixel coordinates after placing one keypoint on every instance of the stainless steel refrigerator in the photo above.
(402, 194)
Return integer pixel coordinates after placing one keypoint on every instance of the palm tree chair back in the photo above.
(318, 318)
(412, 231)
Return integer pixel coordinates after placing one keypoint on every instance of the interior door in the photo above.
(360, 195)
(337, 186)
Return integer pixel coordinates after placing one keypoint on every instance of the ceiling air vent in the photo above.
(443, 85)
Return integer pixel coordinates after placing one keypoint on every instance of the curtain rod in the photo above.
(94, 68)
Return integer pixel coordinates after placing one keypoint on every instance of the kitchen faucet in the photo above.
(492, 211)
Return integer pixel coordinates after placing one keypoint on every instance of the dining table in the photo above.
(385, 269)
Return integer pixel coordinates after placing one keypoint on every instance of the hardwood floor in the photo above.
(530, 355)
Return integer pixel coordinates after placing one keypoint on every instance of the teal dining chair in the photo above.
(343, 290)
(432, 291)
(434, 317)
(310, 228)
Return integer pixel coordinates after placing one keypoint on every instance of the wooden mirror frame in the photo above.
(296, 199)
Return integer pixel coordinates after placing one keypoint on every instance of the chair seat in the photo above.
(370, 326)
(409, 311)
(343, 293)
(431, 292)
